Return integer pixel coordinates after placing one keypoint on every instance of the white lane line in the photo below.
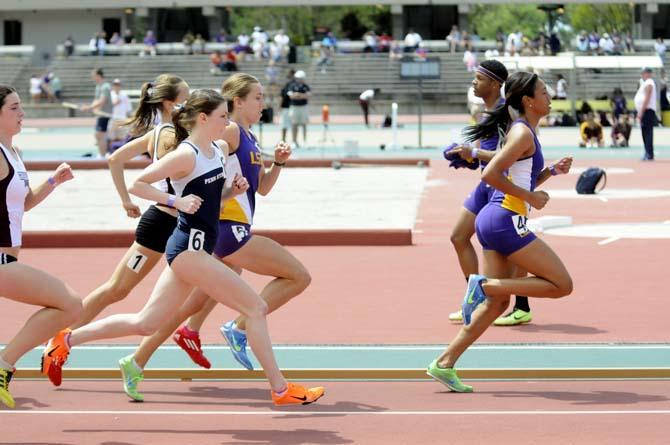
(345, 413)
(609, 240)
(395, 348)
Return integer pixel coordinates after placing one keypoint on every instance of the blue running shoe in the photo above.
(238, 344)
(474, 296)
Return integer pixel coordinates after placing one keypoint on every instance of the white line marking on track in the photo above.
(609, 240)
(346, 413)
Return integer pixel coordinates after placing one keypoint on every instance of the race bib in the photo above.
(136, 262)
(519, 222)
(196, 240)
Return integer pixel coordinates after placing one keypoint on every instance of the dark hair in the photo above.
(164, 87)
(496, 68)
(517, 86)
(559, 76)
(99, 72)
(200, 101)
(5, 90)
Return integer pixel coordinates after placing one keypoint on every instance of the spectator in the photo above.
(35, 88)
(453, 38)
(385, 42)
(412, 41)
(618, 44)
(591, 133)
(56, 86)
(199, 44)
(93, 45)
(259, 40)
(606, 44)
(660, 48)
(326, 52)
(243, 44)
(272, 78)
(101, 43)
(68, 46)
(222, 36)
(299, 92)
(365, 101)
(500, 40)
(115, 39)
(526, 49)
(150, 44)
(470, 59)
(645, 104)
(594, 41)
(286, 104)
(554, 44)
(46, 87)
(230, 62)
(120, 111)
(582, 42)
(663, 92)
(187, 41)
(216, 60)
(466, 41)
(128, 36)
(561, 87)
(102, 102)
(395, 52)
(621, 131)
(628, 40)
(618, 104)
(282, 41)
(370, 39)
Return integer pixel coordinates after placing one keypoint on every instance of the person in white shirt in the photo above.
(365, 101)
(606, 44)
(561, 87)
(35, 87)
(282, 41)
(660, 47)
(120, 112)
(412, 40)
(645, 104)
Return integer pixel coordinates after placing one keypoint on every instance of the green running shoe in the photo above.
(448, 377)
(5, 396)
(516, 317)
(132, 375)
(456, 316)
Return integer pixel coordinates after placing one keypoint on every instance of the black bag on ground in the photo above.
(589, 179)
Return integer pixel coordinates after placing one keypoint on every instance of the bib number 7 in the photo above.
(196, 240)
(519, 222)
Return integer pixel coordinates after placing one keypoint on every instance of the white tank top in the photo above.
(13, 191)
(164, 184)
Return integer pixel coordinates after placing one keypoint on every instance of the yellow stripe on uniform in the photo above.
(232, 211)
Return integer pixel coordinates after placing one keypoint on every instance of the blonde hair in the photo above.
(164, 87)
(237, 85)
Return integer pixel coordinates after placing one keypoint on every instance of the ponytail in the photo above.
(166, 87)
(180, 126)
(496, 120)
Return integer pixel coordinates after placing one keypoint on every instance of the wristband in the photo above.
(552, 170)
(279, 164)
(51, 181)
(170, 201)
(473, 153)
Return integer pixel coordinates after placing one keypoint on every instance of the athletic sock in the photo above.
(521, 303)
(189, 330)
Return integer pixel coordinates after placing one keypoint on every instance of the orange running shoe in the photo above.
(298, 395)
(189, 341)
(54, 357)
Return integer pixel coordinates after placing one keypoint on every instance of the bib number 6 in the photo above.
(519, 222)
(196, 240)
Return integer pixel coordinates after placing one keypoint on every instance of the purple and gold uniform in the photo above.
(481, 194)
(501, 224)
(237, 214)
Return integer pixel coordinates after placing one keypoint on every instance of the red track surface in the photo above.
(439, 416)
(403, 294)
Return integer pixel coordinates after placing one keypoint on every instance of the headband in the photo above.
(490, 74)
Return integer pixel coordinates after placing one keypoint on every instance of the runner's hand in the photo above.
(188, 204)
(538, 199)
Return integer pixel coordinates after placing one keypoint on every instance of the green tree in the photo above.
(510, 18)
(299, 22)
(602, 18)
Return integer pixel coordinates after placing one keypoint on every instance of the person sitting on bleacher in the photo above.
(150, 43)
(591, 133)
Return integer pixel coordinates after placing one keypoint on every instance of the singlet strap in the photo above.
(535, 141)
(192, 146)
